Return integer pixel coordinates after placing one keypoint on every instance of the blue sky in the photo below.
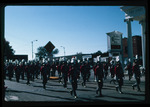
(77, 28)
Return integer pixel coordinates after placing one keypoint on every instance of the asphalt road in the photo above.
(55, 92)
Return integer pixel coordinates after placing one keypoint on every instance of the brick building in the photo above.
(137, 46)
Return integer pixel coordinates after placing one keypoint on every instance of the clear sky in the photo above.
(77, 28)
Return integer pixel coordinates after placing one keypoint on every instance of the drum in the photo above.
(54, 78)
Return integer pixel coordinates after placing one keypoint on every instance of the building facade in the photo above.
(137, 47)
(20, 57)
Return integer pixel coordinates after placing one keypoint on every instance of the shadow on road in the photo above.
(69, 99)
(124, 98)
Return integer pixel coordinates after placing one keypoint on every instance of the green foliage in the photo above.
(8, 51)
(55, 51)
(42, 52)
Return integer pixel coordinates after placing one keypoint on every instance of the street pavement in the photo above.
(55, 92)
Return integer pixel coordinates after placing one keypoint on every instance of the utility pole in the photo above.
(32, 47)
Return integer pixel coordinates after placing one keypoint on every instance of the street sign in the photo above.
(49, 47)
(114, 40)
(115, 46)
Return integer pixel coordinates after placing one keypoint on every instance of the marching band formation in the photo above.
(72, 71)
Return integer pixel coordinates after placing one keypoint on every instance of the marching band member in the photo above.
(137, 75)
(73, 77)
(119, 77)
(99, 76)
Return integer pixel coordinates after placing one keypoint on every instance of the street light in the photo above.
(64, 49)
(32, 47)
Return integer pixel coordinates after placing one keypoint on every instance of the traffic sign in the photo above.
(49, 47)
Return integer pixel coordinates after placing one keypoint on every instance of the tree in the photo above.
(79, 53)
(42, 52)
(8, 51)
(55, 51)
